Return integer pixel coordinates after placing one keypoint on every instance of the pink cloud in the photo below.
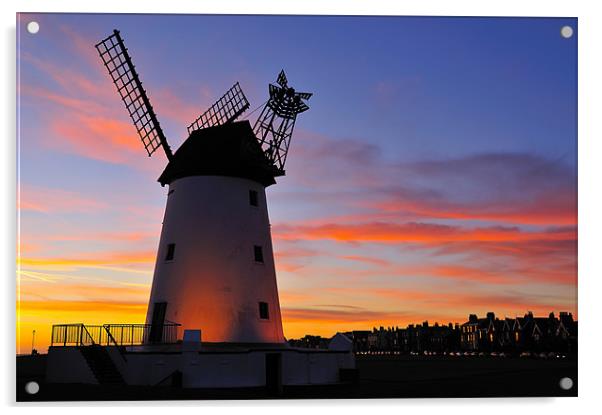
(97, 138)
(47, 200)
(554, 207)
(90, 119)
(367, 260)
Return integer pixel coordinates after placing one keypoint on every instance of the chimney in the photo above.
(566, 317)
(490, 316)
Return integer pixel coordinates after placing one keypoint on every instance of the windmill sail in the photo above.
(226, 109)
(118, 62)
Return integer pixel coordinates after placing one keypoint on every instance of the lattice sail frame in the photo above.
(119, 64)
(275, 125)
(226, 109)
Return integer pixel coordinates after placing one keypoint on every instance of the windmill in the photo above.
(214, 270)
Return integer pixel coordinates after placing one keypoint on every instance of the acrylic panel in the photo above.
(380, 207)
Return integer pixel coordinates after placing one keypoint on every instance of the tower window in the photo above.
(253, 198)
(258, 251)
(264, 313)
(171, 251)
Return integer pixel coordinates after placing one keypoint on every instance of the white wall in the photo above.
(68, 365)
(244, 369)
(302, 368)
(213, 283)
(203, 370)
(150, 369)
(224, 370)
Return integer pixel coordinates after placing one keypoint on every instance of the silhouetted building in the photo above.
(488, 334)
(310, 342)
(527, 333)
(479, 333)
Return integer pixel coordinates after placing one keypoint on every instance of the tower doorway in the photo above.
(157, 322)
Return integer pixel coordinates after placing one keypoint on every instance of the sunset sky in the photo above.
(434, 175)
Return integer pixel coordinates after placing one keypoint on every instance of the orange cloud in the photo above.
(424, 233)
(88, 292)
(464, 273)
(93, 260)
(520, 270)
(312, 315)
(290, 297)
(558, 208)
(100, 307)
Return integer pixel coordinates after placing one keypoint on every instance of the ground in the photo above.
(379, 377)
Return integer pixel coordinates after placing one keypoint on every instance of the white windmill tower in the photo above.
(214, 270)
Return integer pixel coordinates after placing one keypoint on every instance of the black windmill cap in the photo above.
(225, 150)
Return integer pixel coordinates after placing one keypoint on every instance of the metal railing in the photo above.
(72, 334)
(113, 334)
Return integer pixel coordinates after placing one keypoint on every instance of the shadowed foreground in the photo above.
(379, 377)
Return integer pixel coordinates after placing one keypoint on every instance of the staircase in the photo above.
(102, 365)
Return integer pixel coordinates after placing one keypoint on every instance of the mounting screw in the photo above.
(566, 32)
(566, 383)
(33, 27)
(32, 388)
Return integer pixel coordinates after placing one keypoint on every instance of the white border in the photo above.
(590, 206)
